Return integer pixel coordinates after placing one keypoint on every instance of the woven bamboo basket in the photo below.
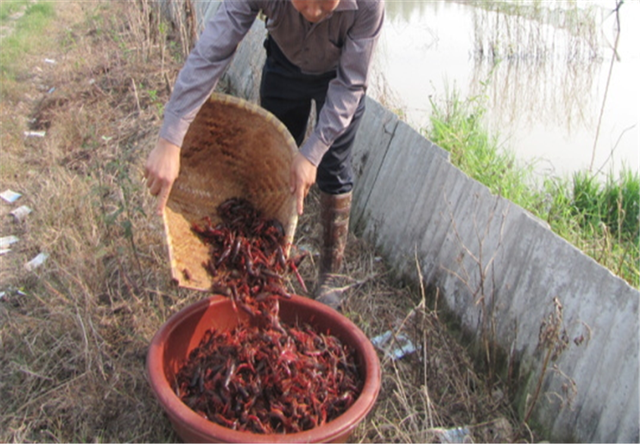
(233, 149)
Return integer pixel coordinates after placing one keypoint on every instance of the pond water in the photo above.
(556, 81)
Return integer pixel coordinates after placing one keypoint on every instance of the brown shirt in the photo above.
(344, 41)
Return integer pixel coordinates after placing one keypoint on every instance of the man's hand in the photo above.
(161, 170)
(303, 175)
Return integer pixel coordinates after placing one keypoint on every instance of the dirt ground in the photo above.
(74, 331)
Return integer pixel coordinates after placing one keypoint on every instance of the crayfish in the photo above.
(247, 253)
(263, 376)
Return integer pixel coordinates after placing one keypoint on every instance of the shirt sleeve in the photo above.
(205, 64)
(349, 86)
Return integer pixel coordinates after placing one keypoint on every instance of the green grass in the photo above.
(599, 217)
(458, 127)
(26, 33)
(8, 8)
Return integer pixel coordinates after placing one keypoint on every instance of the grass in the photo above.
(75, 331)
(458, 126)
(600, 218)
(25, 36)
(9, 8)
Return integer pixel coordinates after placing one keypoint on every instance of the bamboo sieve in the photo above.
(233, 148)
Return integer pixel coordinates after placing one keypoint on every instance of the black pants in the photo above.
(287, 93)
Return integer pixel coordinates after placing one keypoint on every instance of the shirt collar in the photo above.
(347, 5)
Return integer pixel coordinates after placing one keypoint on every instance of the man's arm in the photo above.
(207, 61)
(195, 83)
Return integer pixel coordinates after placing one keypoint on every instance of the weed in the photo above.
(477, 278)
(553, 340)
(126, 211)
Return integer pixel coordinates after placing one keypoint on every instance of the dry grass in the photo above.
(74, 332)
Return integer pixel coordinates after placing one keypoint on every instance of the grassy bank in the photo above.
(599, 217)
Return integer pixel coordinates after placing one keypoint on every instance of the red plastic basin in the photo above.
(182, 333)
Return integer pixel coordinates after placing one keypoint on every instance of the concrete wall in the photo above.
(496, 266)
(492, 261)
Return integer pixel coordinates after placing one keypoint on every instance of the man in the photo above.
(318, 50)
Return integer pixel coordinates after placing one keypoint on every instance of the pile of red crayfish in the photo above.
(247, 259)
(263, 376)
(264, 380)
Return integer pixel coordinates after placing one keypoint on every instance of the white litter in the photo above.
(10, 196)
(21, 212)
(35, 133)
(395, 348)
(455, 435)
(50, 61)
(7, 241)
(4, 251)
(36, 261)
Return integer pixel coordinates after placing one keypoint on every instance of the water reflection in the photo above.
(542, 67)
(535, 89)
(543, 71)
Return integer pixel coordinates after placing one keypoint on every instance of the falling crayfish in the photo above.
(247, 254)
(264, 376)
